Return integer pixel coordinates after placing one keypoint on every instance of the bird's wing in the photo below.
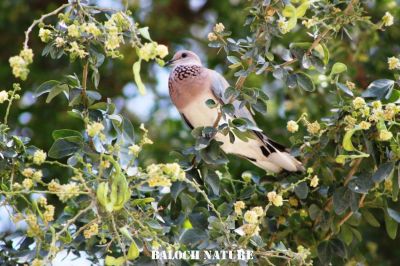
(218, 87)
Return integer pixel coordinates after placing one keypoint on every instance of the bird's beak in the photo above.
(168, 63)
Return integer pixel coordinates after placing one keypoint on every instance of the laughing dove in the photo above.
(191, 85)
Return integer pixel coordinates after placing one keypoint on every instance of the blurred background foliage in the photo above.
(185, 24)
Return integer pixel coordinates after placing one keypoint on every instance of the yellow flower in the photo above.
(146, 140)
(27, 55)
(19, 67)
(385, 135)
(238, 206)
(28, 172)
(59, 42)
(27, 183)
(94, 129)
(258, 210)
(293, 202)
(376, 104)
(148, 51)
(134, 149)
(358, 103)
(42, 201)
(91, 231)
(219, 27)
(251, 229)
(48, 215)
(394, 63)
(91, 28)
(39, 157)
(3, 96)
(44, 35)
(120, 20)
(313, 128)
(251, 217)
(283, 25)
(212, 37)
(276, 199)
(53, 186)
(37, 262)
(73, 31)
(77, 51)
(37, 176)
(309, 22)
(68, 191)
(292, 126)
(314, 181)
(364, 125)
(162, 50)
(387, 19)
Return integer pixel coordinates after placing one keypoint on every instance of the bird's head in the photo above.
(184, 57)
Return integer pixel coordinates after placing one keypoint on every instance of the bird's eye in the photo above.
(184, 55)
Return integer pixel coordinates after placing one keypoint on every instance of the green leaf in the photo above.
(65, 146)
(62, 133)
(46, 87)
(327, 250)
(112, 261)
(289, 11)
(361, 184)
(212, 179)
(133, 251)
(55, 91)
(341, 200)
(380, 89)
(395, 215)
(302, 9)
(138, 79)
(292, 22)
(370, 218)
(193, 237)
(305, 82)
(211, 103)
(301, 190)
(145, 33)
(383, 172)
(347, 144)
(346, 234)
(338, 68)
(344, 88)
(391, 226)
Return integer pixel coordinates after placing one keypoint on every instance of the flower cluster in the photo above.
(92, 230)
(217, 30)
(162, 174)
(275, 199)
(151, 50)
(20, 63)
(64, 192)
(39, 157)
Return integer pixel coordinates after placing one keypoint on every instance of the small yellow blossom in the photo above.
(120, 21)
(309, 22)
(68, 191)
(3, 96)
(42, 201)
(394, 63)
(314, 181)
(44, 35)
(292, 126)
(385, 135)
(246, 176)
(238, 207)
(251, 229)
(148, 51)
(162, 50)
(37, 176)
(304, 253)
(212, 37)
(251, 217)
(27, 55)
(91, 231)
(146, 140)
(53, 186)
(358, 103)
(48, 215)
(283, 25)
(73, 31)
(314, 128)
(94, 129)
(59, 42)
(173, 170)
(376, 105)
(28, 172)
(92, 29)
(77, 51)
(387, 19)
(134, 150)
(219, 27)
(276, 199)
(258, 210)
(37, 262)
(293, 202)
(27, 183)
(364, 125)
(19, 67)
(104, 165)
(39, 157)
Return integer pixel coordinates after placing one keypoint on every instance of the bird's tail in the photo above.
(276, 157)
